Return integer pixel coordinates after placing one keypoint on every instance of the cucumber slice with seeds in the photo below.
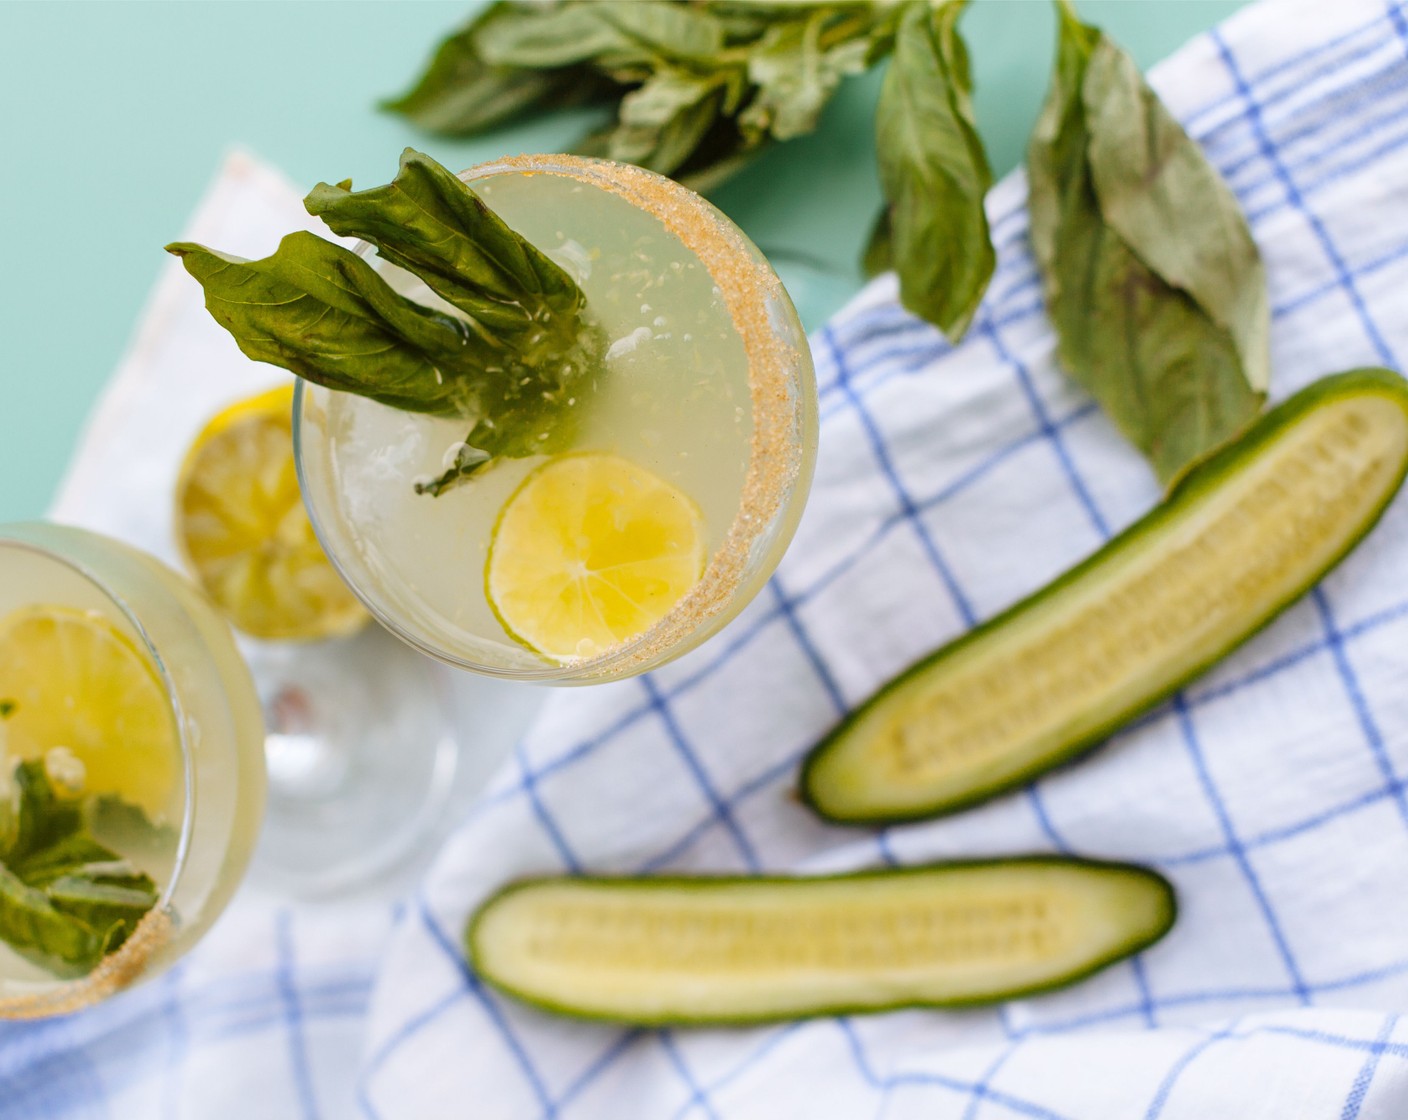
(1242, 537)
(747, 950)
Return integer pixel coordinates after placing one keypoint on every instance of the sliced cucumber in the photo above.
(749, 950)
(1244, 535)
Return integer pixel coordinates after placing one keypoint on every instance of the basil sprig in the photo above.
(508, 363)
(1152, 280)
(428, 222)
(66, 901)
(700, 89)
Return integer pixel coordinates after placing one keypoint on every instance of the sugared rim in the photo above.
(119, 969)
(778, 385)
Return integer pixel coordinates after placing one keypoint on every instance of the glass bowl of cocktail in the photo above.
(133, 770)
(660, 469)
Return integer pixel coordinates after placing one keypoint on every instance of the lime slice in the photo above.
(75, 686)
(591, 551)
(241, 523)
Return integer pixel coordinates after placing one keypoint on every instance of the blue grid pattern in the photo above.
(146, 1053)
(1293, 166)
(1304, 110)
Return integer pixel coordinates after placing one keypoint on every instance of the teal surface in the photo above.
(115, 116)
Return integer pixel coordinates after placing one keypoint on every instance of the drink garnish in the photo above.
(591, 551)
(508, 359)
(66, 900)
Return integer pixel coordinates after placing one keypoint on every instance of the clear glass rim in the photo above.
(18, 536)
(778, 472)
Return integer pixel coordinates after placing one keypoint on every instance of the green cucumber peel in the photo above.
(602, 948)
(860, 773)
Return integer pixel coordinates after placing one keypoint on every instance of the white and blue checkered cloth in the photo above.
(951, 482)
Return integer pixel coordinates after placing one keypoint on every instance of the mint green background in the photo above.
(114, 116)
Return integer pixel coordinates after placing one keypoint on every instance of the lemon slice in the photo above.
(70, 680)
(590, 551)
(241, 523)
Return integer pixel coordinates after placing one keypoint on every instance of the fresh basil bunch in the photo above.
(1151, 277)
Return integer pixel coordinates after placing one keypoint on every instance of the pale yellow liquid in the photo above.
(672, 395)
(211, 820)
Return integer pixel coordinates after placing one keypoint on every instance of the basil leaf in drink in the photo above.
(1151, 277)
(532, 414)
(7, 708)
(431, 224)
(41, 818)
(66, 900)
(933, 170)
(113, 908)
(76, 849)
(31, 925)
(321, 311)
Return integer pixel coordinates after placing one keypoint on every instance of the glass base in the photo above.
(361, 755)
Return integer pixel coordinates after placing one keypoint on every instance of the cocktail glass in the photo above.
(207, 826)
(707, 382)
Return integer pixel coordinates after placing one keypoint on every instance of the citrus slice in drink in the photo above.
(241, 523)
(71, 682)
(590, 551)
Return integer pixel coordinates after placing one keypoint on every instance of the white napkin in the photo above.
(951, 482)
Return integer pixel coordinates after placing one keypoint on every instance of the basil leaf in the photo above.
(66, 900)
(7, 708)
(675, 31)
(663, 121)
(111, 908)
(430, 223)
(462, 94)
(796, 72)
(41, 819)
(1150, 178)
(322, 312)
(76, 850)
(548, 38)
(33, 926)
(614, 35)
(1130, 228)
(933, 171)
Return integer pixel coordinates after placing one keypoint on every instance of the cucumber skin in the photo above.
(1134, 945)
(1201, 478)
